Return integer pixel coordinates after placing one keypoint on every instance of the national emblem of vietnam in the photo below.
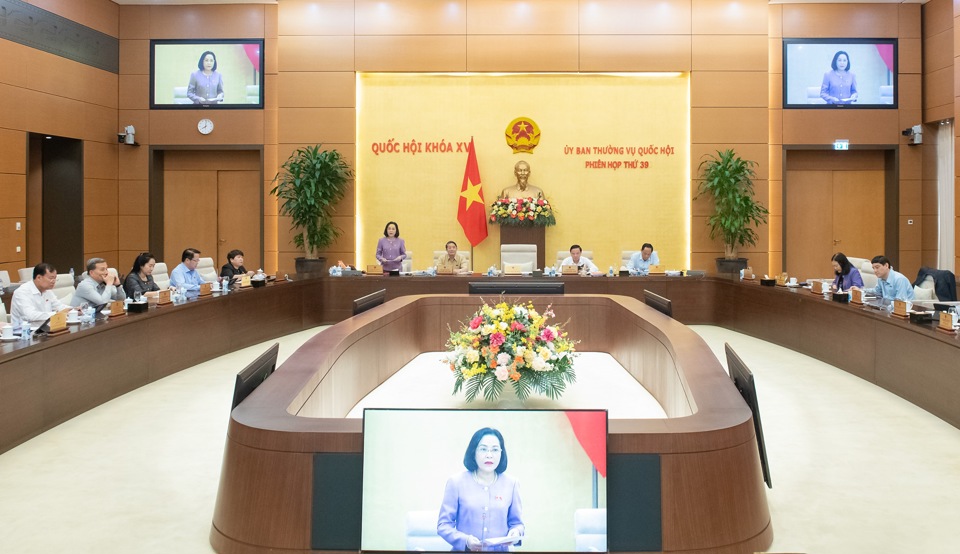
(523, 135)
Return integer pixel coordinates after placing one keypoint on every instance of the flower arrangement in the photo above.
(510, 344)
(522, 212)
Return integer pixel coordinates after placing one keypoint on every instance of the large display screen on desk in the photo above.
(840, 73)
(199, 74)
(550, 477)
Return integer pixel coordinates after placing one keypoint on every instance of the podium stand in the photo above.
(526, 235)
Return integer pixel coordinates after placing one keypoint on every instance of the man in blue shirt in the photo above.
(641, 261)
(891, 285)
(185, 276)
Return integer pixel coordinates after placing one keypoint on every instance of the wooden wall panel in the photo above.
(911, 192)
(133, 197)
(938, 51)
(13, 192)
(410, 17)
(316, 17)
(728, 125)
(134, 92)
(729, 89)
(223, 160)
(834, 20)
(96, 14)
(500, 53)
(100, 196)
(859, 127)
(937, 92)
(299, 53)
(100, 160)
(169, 127)
(729, 53)
(99, 233)
(937, 17)
(723, 17)
(629, 17)
(10, 239)
(317, 89)
(519, 19)
(411, 53)
(309, 125)
(207, 21)
(13, 151)
(134, 57)
(133, 235)
(635, 53)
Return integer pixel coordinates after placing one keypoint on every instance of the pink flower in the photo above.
(517, 326)
(547, 335)
(497, 339)
(475, 322)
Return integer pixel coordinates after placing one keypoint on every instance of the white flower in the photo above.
(503, 326)
(473, 356)
(502, 373)
(519, 311)
(503, 359)
(539, 364)
(520, 350)
(544, 352)
(488, 329)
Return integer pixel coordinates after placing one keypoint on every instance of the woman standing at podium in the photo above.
(481, 507)
(391, 248)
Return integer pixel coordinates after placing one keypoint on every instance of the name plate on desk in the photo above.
(900, 309)
(782, 280)
(444, 271)
(58, 323)
(946, 323)
(816, 287)
(517, 269)
(116, 309)
(657, 270)
(205, 289)
(374, 269)
(568, 269)
(245, 281)
(163, 298)
(856, 296)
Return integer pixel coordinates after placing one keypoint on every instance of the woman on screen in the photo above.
(846, 275)
(206, 84)
(839, 84)
(481, 507)
(390, 248)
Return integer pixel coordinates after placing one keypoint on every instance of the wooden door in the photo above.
(858, 212)
(212, 203)
(238, 220)
(809, 205)
(190, 214)
(833, 202)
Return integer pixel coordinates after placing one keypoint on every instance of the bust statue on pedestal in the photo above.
(522, 189)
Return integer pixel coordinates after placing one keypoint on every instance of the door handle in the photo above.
(221, 241)
(836, 242)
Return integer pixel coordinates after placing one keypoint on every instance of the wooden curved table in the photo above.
(712, 496)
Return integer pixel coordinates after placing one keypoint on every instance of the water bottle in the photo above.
(610, 272)
(73, 278)
(25, 331)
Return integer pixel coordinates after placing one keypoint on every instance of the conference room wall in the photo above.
(48, 94)
(864, 128)
(177, 129)
(420, 35)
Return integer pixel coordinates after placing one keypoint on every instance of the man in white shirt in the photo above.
(98, 287)
(641, 261)
(582, 262)
(34, 302)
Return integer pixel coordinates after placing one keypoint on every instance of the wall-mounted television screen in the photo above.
(442, 480)
(192, 74)
(840, 73)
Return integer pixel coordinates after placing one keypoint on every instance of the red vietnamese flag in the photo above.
(472, 211)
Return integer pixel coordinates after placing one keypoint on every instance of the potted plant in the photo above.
(309, 185)
(728, 180)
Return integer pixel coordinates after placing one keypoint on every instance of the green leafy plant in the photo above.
(728, 180)
(309, 185)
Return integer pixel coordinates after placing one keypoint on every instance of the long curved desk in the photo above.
(52, 380)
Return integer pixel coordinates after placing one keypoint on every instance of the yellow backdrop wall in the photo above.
(613, 159)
